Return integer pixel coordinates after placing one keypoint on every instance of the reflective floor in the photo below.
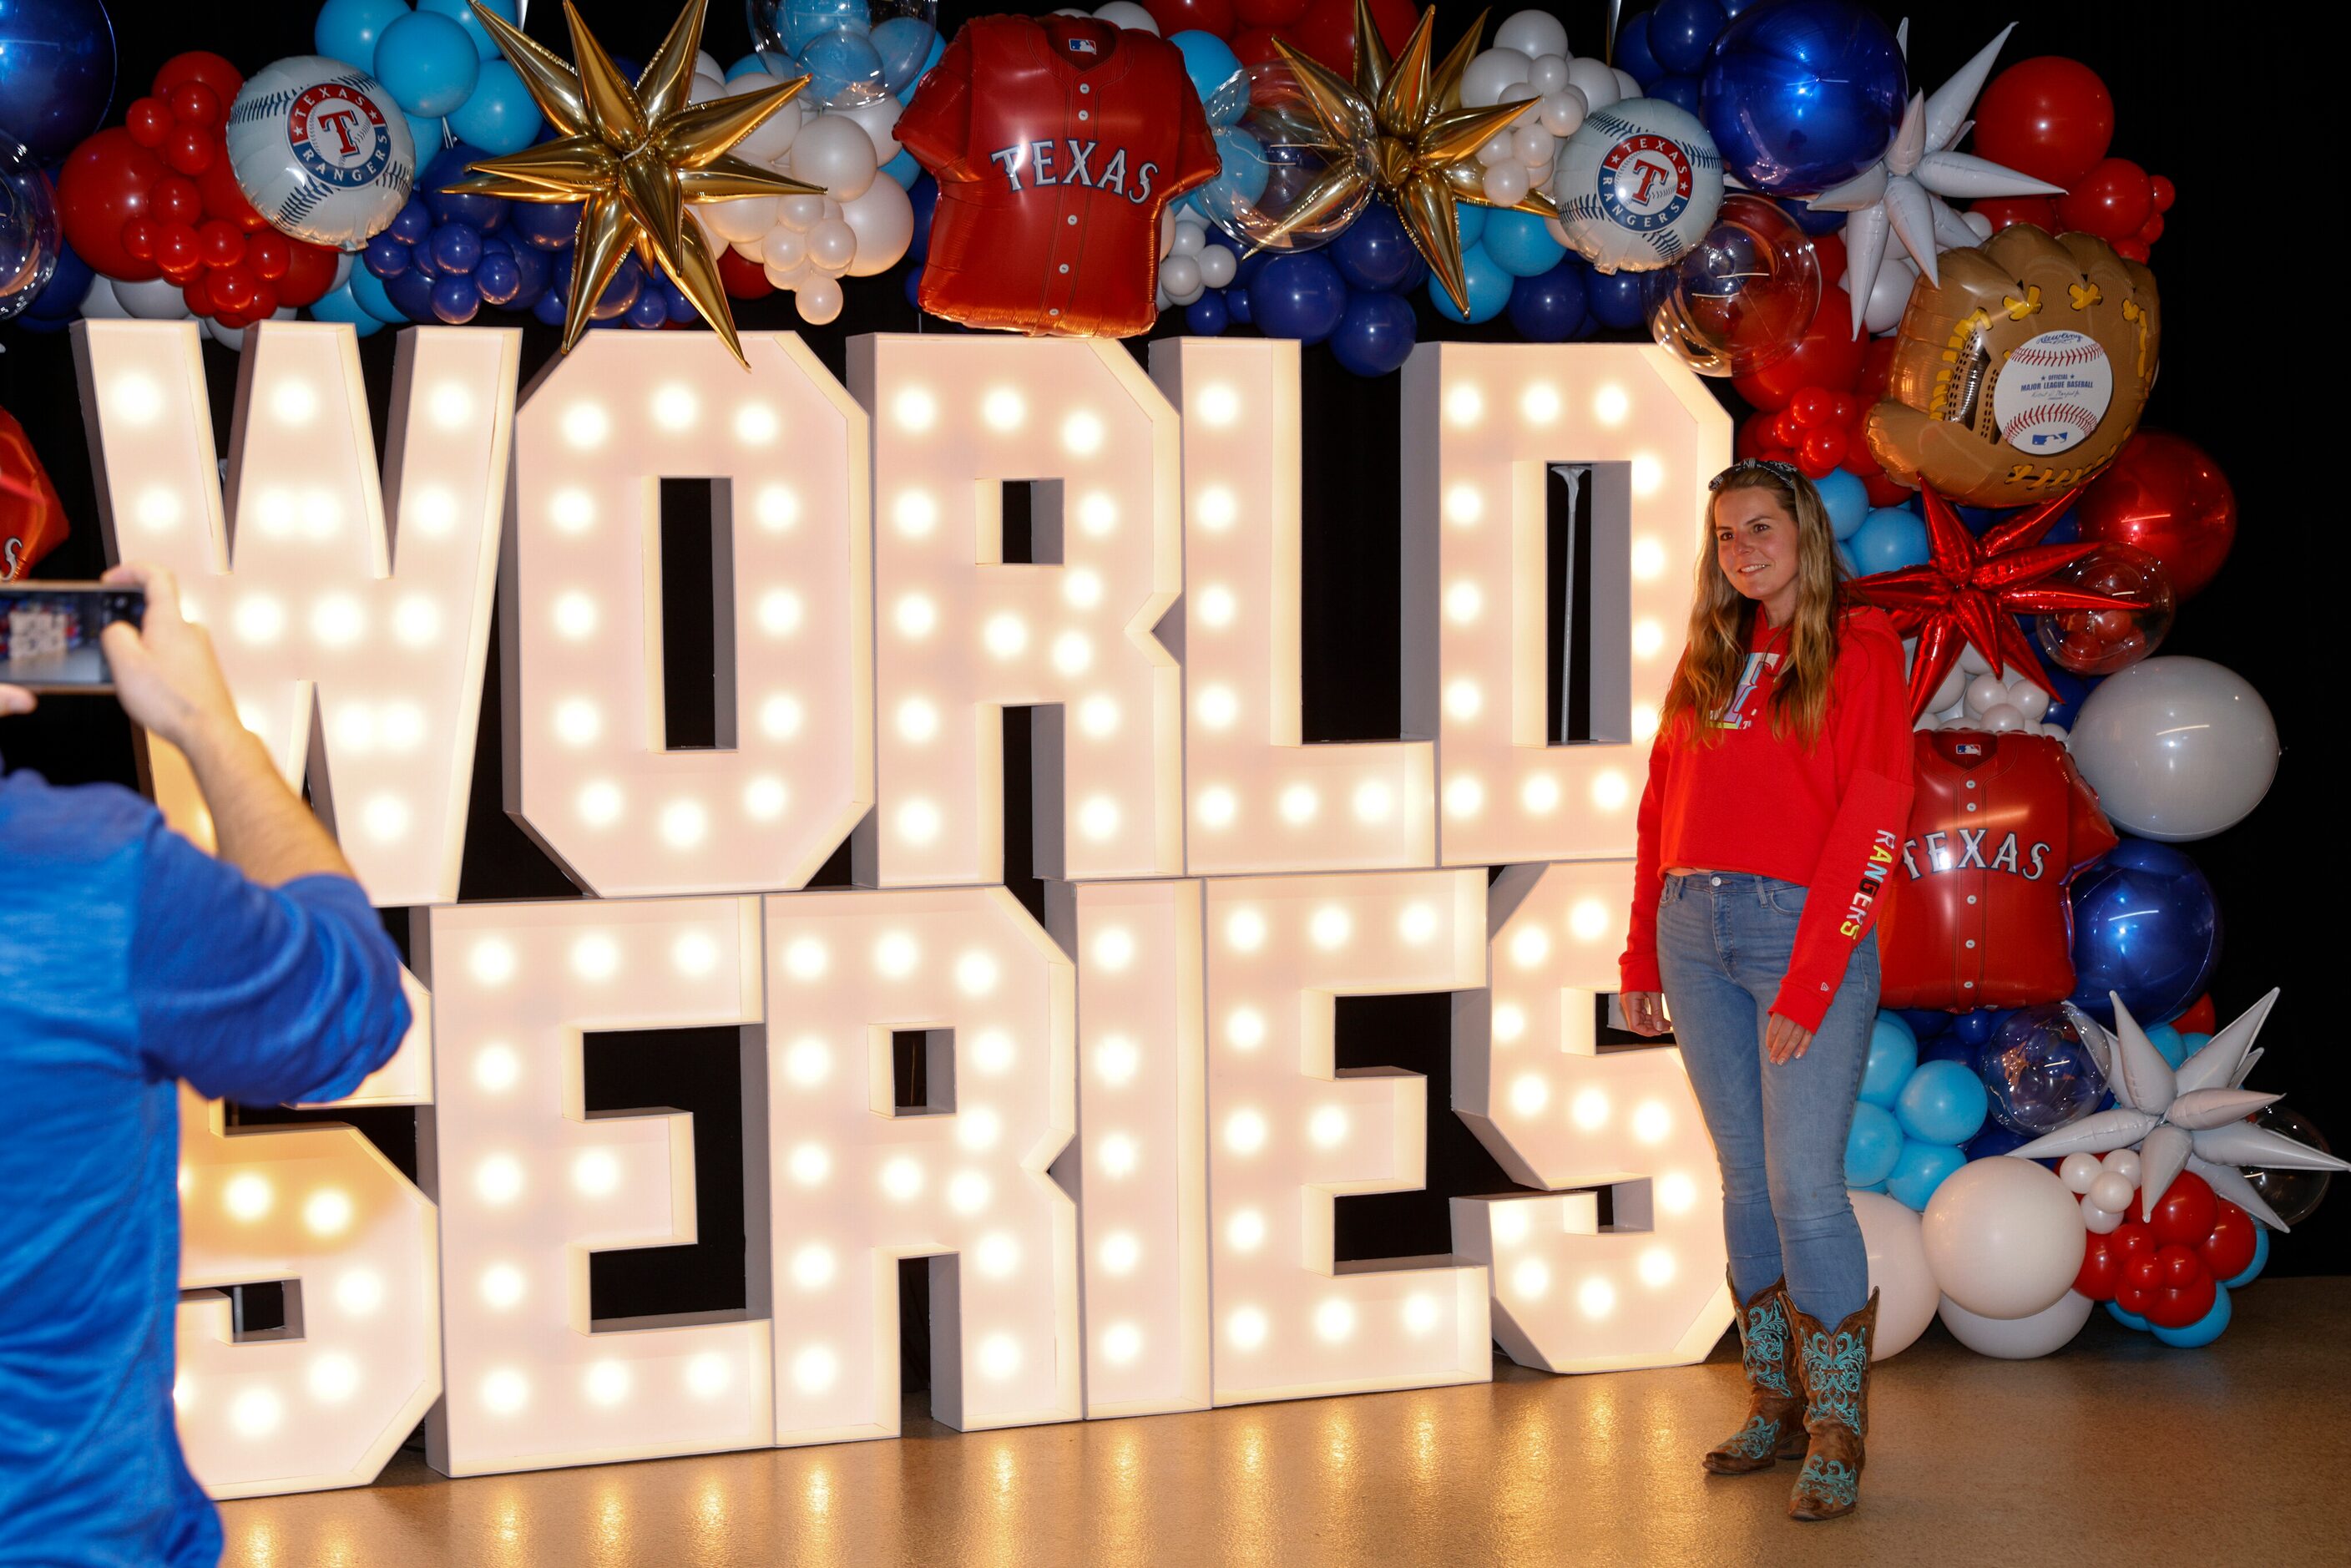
(2115, 1450)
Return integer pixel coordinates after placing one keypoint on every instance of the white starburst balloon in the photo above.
(1903, 191)
(2191, 1119)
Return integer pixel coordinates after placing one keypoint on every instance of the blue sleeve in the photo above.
(265, 996)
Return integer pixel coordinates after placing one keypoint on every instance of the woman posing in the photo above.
(1778, 790)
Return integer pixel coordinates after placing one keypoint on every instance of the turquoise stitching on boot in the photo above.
(1835, 1366)
(1831, 1480)
(1764, 1334)
(1756, 1440)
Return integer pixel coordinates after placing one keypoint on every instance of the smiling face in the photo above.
(1755, 544)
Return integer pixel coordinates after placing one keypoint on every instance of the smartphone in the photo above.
(49, 633)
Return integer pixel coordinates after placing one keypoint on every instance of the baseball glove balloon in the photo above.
(2022, 373)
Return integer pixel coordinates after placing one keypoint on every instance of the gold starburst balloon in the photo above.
(1424, 143)
(634, 158)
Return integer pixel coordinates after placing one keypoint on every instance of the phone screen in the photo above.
(49, 633)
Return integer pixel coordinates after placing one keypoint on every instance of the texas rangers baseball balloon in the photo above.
(320, 150)
(1638, 186)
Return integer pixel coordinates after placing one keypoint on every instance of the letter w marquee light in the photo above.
(1126, 1167)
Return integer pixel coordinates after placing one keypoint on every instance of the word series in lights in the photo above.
(1125, 1181)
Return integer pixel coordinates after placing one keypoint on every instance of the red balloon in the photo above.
(2004, 211)
(1786, 428)
(1254, 46)
(1828, 355)
(2227, 1250)
(1830, 249)
(1823, 449)
(2165, 495)
(309, 273)
(2163, 191)
(199, 66)
(2141, 1279)
(194, 103)
(2048, 116)
(265, 301)
(108, 180)
(234, 286)
(1885, 490)
(1754, 435)
(223, 197)
(197, 292)
(1812, 407)
(2201, 1017)
(2132, 249)
(2151, 231)
(1175, 17)
(2102, 1269)
(271, 252)
(742, 278)
(1326, 31)
(139, 237)
(2184, 1215)
(176, 197)
(2111, 201)
(191, 149)
(2187, 1293)
(147, 122)
(1269, 12)
(221, 242)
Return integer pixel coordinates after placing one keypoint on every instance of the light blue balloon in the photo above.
(1872, 1147)
(338, 306)
(1943, 1103)
(749, 65)
(462, 13)
(2204, 1330)
(841, 62)
(903, 43)
(904, 168)
(1922, 1168)
(1489, 287)
(1239, 182)
(1890, 539)
(1215, 72)
(2169, 1043)
(1892, 1054)
(430, 136)
(1473, 222)
(346, 29)
(427, 63)
(939, 48)
(2261, 1260)
(1520, 243)
(501, 116)
(1848, 500)
(805, 21)
(367, 291)
(2128, 1320)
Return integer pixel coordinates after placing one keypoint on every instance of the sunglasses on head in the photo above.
(1786, 471)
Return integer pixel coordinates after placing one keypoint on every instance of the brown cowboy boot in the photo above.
(1775, 1410)
(1834, 1367)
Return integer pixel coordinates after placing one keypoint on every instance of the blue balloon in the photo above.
(1519, 244)
(498, 280)
(801, 21)
(1811, 221)
(1375, 253)
(2128, 1320)
(903, 43)
(1242, 172)
(1634, 54)
(621, 293)
(1299, 295)
(922, 196)
(2038, 1071)
(337, 305)
(1681, 91)
(2204, 1330)
(368, 291)
(1237, 305)
(411, 293)
(1489, 287)
(2169, 1043)
(548, 226)
(456, 300)
(1947, 1047)
(1682, 33)
(1943, 1103)
(485, 213)
(2261, 1260)
(1893, 1057)
(2145, 924)
(1551, 307)
(649, 309)
(456, 247)
(1473, 223)
(749, 65)
(1848, 500)
(1206, 315)
(533, 268)
(1995, 1140)
(1925, 1023)
(1616, 299)
(939, 48)
(1920, 1170)
(56, 73)
(841, 62)
(1872, 1145)
(412, 223)
(549, 307)
(1973, 1029)
(903, 168)
(421, 258)
(1215, 72)
(385, 256)
(915, 287)
(347, 30)
(426, 62)
(1375, 335)
(462, 13)
(501, 116)
(1801, 95)
(60, 298)
(1888, 538)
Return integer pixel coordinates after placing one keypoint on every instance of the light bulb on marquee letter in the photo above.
(791, 557)
(391, 636)
(857, 1183)
(320, 1208)
(1530, 1082)
(1288, 1134)
(964, 634)
(1483, 424)
(530, 1184)
(1261, 798)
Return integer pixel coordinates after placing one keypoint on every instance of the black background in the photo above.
(2243, 354)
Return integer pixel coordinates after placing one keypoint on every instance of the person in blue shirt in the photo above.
(129, 961)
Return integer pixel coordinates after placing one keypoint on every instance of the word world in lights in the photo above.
(1126, 1177)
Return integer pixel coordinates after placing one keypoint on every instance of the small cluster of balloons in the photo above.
(439, 65)
(2167, 1271)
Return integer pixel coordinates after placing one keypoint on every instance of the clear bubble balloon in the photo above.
(1276, 156)
(854, 51)
(2295, 1194)
(1744, 295)
(2040, 1069)
(28, 227)
(2100, 641)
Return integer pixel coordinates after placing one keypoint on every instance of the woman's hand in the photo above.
(1645, 1012)
(1784, 1040)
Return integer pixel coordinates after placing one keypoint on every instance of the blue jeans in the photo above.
(1723, 945)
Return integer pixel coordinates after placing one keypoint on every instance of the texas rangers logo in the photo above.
(1733, 714)
(1644, 182)
(337, 133)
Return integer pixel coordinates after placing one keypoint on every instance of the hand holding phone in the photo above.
(165, 673)
(51, 634)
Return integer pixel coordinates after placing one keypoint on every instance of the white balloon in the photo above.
(2077, 1171)
(784, 252)
(2000, 718)
(2125, 1162)
(1928, 721)
(1506, 184)
(2059, 733)
(1166, 229)
(878, 118)
(2020, 1339)
(1532, 34)
(156, 300)
(234, 337)
(1534, 147)
(1180, 275)
(833, 150)
(1486, 75)
(742, 221)
(773, 139)
(800, 212)
(1889, 293)
(1984, 691)
(1562, 111)
(818, 300)
(1496, 149)
(101, 303)
(2107, 1190)
(1626, 86)
(1217, 266)
(883, 219)
(706, 64)
(831, 245)
(1127, 13)
(1593, 79)
(1972, 662)
(1906, 1296)
(703, 88)
(2004, 1237)
(2029, 700)
(1548, 74)
(1978, 222)
(1191, 239)
(2100, 1221)
(2177, 748)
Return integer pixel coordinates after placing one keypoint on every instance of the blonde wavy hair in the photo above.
(1722, 618)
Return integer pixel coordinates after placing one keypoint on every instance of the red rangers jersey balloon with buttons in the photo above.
(1981, 917)
(1056, 143)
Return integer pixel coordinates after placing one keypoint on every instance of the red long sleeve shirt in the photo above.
(1829, 816)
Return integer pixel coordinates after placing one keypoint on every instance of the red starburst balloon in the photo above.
(1971, 590)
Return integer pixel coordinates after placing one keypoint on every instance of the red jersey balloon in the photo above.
(31, 520)
(1980, 919)
(1056, 143)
